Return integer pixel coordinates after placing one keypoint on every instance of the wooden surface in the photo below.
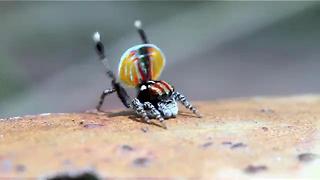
(257, 137)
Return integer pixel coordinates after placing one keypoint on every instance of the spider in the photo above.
(140, 67)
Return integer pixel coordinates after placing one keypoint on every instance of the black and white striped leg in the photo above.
(154, 113)
(180, 97)
(138, 107)
(103, 95)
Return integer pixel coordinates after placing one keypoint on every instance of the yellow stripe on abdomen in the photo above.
(129, 73)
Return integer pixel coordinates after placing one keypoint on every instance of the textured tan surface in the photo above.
(231, 139)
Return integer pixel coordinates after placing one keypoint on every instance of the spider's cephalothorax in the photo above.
(154, 91)
(140, 67)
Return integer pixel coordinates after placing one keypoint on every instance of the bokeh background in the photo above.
(214, 50)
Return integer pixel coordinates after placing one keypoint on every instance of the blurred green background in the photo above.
(214, 50)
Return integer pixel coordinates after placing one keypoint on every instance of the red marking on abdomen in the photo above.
(158, 86)
(156, 91)
(168, 86)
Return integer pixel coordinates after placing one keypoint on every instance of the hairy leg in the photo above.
(153, 111)
(181, 98)
(103, 95)
(138, 107)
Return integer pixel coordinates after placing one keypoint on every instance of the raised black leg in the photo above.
(103, 95)
(182, 99)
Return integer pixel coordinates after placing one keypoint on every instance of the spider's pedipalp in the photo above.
(153, 111)
(168, 108)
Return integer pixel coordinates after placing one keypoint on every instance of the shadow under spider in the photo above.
(109, 114)
(139, 120)
(120, 113)
(131, 115)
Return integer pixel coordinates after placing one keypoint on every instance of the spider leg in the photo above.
(155, 113)
(103, 95)
(122, 94)
(138, 107)
(182, 99)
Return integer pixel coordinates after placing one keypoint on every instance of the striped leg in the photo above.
(103, 95)
(138, 107)
(179, 97)
(154, 113)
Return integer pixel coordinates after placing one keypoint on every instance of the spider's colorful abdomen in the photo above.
(160, 88)
(140, 64)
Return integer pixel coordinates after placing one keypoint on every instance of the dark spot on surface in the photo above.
(20, 168)
(275, 148)
(81, 122)
(307, 157)
(251, 169)
(141, 162)
(205, 145)
(264, 128)
(67, 162)
(209, 138)
(266, 110)
(92, 125)
(145, 129)
(69, 176)
(226, 143)
(127, 148)
(87, 150)
(238, 145)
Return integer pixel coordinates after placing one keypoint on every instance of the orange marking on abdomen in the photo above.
(156, 90)
(159, 87)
